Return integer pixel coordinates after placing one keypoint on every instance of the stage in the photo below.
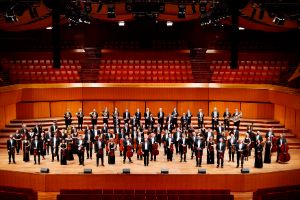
(181, 174)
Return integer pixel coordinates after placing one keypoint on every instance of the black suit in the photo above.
(236, 133)
(184, 122)
(126, 117)
(99, 148)
(54, 148)
(231, 148)
(174, 118)
(220, 153)
(138, 116)
(80, 116)
(37, 146)
(68, 119)
(80, 145)
(200, 117)
(214, 120)
(105, 116)
(226, 117)
(94, 118)
(147, 119)
(160, 117)
(183, 148)
(199, 146)
(169, 141)
(89, 140)
(146, 151)
(240, 154)
(11, 145)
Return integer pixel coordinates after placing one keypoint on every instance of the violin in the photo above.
(284, 156)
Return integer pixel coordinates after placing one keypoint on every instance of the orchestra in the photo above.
(143, 137)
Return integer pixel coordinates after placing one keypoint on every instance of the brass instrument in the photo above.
(236, 118)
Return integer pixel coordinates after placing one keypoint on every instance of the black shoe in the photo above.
(221, 166)
(217, 166)
(8, 162)
(184, 160)
(237, 166)
(123, 161)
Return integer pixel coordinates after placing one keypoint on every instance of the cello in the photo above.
(129, 152)
(284, 156)
(155, 149)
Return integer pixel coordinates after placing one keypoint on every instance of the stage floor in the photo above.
(137, 167)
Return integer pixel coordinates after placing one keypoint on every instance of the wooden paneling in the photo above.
(33, 110)
(194, 107)
(290, 118)
(167, 106)
(238, 94)
(257, 110)
(2, 117)
(222, 105)
(297, 128)
(131, 105)
(291, 100)
(279, 113)
(59, 108)
(88, 106)
(10, 113)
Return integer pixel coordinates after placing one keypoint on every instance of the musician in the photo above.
(23, 130)
(207, 134)
(43, 145)
(226, 117)
(80, 152)
(154, 146)
(169, 147)
(258, 137)
(240, 148)
(18, 138)
(105, 115)
(268, 147)
(270, 134)
(183, 143)
(220, 148)
(210, 151)
(281, 140)
(127, 143)
(53, 128)
(37, 130)
(184, 121)
(214, 118)
(31, 135)
(192, 139)
(169, 127)
(160, 117)
(133, 121)
(80, 116)
(68, 118)
(236, 132)
(126, 116)
(158, 131)
(236, 118)
(164, 141)
(55, 141)
(111, 154)
(126, 130)
(48, 137)
(199, 146)
(70, 147)
(139, 141)
(63, 152)
(89, 140)
(99, 148)
(258, 155)
(11, 146)
(177, 136)
(26, 149)
(252, 137)
(200, 117)
(231, 143)
(115, 116)
(247, 142)
(189, 116)
(94, 117)
(37, 146)
(138, 117)
(75, 142)
(146, 147)
(147, 118)
(151, 122)
(220, 129)
(174, 117)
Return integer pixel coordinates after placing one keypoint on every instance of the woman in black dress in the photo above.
(111, 154)
(247, 142)
(63, 153)
(258, 155)
(69, 141)
(26, 149)
(210, 151)
(268, 147)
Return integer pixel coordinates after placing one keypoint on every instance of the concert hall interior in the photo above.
(149, 99)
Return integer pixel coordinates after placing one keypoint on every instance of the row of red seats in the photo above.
(258, 195)
(8, 192)
(145, 67)
(46, 79)
(43, 67)
(147, 73)
(147, 79)
(51, 72)
(246, 67)
(42, 61)
(148, 62)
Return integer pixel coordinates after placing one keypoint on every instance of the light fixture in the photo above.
(121, 23)
(241, 28)
(49, 27)
(169, 23)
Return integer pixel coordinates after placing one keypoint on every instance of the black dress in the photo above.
(258, 156)
(268, 146)
(63, 154)
(111, 154)
(210, 153)
(70, 149)
(26, 150)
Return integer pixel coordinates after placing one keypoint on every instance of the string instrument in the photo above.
(232, 148)
(107, 147)
(155, 149)
(236, 118)
(171, 148)
(284, 156)
(134, 144)
(112, 151)
(121, 144)
(221, 154)
(140, 152)
(63, 151)
(274, 144)
(129, 152)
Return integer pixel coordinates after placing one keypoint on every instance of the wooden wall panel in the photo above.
(257, 110)
(167, 106)
(131, 105)
(279, 113)
(10, 113)
(290, 118)
(297, 128)
(239, 94)
(194, 107)
(292, 100)
(9, 97)
(2, 117)
(88, 106)
(59, 108)
(33, 110)
(222, 105)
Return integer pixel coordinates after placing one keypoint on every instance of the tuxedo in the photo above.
(89, 140)
(116, 119)
(99, 148)
(220, 147)
(126, 117)
(80, 152)
(18, 139)
(80, 116)
(236, 133)
(68, 119)
(105, 116)
(37, 130)
(11, 145)
(152, 140)
(151, 122)
(160, 117)
(184, 122)
(125, 144)
(200, 117)
(189, 116)
(55, 141)
(146, 148)
(37, 147)
(183, 143)
(138, 116)
(177, 136)
(226, 117)
(53, 129)
(214, 119)
(199, 146)
(94, 118)
(169, 141)
(147, 119)
(240, 148)
(133, 122)
(231, 148)
(174, 118)
(280, 142)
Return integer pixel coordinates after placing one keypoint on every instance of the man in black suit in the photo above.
(174, 117)
(146, 148)
(231, 143)
(199, 146)
(18, 138)
(99, 148)
(105, 115)
(226, 117)
(94, 117)
(240, 148)
(236, 133)
(281, 141)
(160, 117)
(147, 118)
(23, 131)
(55, 142)
(189, 116)
(220, 148)
(80, 116)
(37, 146)
(169, 145)
(37, 130)
(138, 116)
(220, 130)
(53, 128)
(200, 117)
(184, 121)
(68, 118)
(89, 140)
(214, 118)
(11, 145)
(127, 142)
(183, 143)
(126, 116)
(177, 136)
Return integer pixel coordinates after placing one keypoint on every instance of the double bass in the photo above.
(274, 144)
(284, 155)
(129, 152)
(121, 147)
(140, 152)
(155, 149)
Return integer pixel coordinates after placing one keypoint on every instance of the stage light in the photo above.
(121, 23)
(126, 171)
(241, 28)
(181, 11)
(164, 171)
(169, 23)
(49, 27)
(111, 11)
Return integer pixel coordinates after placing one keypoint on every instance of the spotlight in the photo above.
(121, 23)
(169, 23)
(181, 11)
(241, 28)
(111, 11)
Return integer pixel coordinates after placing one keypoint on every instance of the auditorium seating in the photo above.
(276, 193)
(250, 71)
(145, 194)
(41, 71)
(12, 193)
(139, 71)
